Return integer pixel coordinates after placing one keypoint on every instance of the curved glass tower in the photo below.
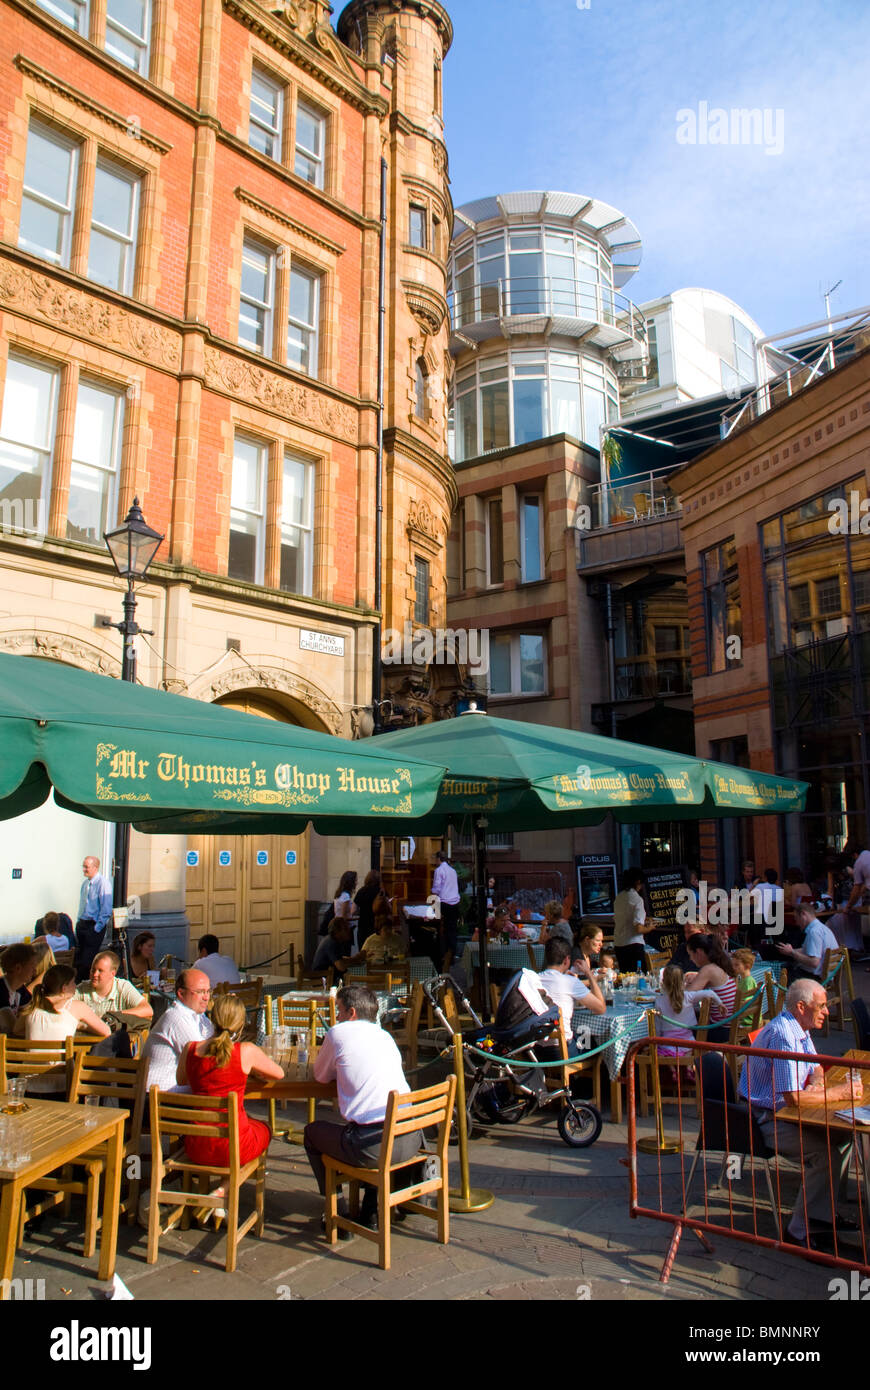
(540, 329)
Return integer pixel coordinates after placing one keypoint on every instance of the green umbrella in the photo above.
(121, 752)
(519, 776)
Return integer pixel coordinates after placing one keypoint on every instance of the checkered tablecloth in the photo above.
(421, 969)
(512, 957)
(623, 1018)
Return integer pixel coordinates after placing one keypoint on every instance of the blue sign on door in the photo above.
(290, 856)
(225, 858)
(192, 858)
(262, 857)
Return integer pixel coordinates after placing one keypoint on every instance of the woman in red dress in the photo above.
(218, 1066)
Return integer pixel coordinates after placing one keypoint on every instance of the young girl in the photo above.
(678, 1006)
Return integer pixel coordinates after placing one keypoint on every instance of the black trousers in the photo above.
(630, 958)
(88, 942)
(358, 1145)
(447, 931)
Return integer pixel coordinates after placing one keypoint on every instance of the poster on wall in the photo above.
(596, 884)
(662, 888)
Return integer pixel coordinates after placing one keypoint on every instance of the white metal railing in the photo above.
(548, 296)
(640, 498)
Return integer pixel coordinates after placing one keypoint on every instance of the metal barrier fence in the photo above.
(813, 1153)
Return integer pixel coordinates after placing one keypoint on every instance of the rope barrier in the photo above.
(714, 1023)
(243, 969)
(560, 1061)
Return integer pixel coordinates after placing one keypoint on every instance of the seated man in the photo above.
(367, 1065)
(105, 993)
(771, 1084)
(385, 943)
(219, 969)
(18, 964)
(567, 990)
(184, 1022)
(681, 955)
(806, 963)
(335, 949)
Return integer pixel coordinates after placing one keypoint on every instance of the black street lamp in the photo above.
(132, 548)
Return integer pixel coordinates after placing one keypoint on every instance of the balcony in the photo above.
(643, 497)
(652, 677)
(544, 305)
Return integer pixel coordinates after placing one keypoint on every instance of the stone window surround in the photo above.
(293, 89)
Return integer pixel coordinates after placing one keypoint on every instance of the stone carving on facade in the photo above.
(428, 307)
(272, 678)
(174, 686)
(56, 647)
(248, 382)
(361, 722)
(422, 519)
(86, 316)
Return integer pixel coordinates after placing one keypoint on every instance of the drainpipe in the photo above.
(377, 687)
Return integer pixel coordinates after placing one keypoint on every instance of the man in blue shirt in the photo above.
(95, 911)
(770, 1083)
(806, 962)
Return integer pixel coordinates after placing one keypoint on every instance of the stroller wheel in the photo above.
(579, 1124)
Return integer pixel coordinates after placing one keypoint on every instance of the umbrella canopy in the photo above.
(520, 776)
(120, 752)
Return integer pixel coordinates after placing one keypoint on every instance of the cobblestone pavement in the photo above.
(559, 1228)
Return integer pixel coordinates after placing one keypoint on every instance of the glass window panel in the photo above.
(112, 249)
(247, 487)
(113, 199)
(255, 299)
(243, 556)
(310, 129)
(594, 416)
(565, 408)
(531, 665)
(525, 241)
(532, 555)
(528, 411)
(417, 226)
(556, 241)
(264, 131)
(297, 526)
(71, 12)
(128, 24)
(94, 433)
(421, 591)
(107, 261)
(466, 426)
(527, 289)
(95, 463)
(302, 335)
(495, 416)
(27, 433)
(46, 207)
(500, 665)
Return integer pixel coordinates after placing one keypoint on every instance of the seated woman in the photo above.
(219, 1066)
(142, 956)
(385, 944)
(555, 924)
(713, 970)
(55, 931)
(52, 1015)
(589, 945)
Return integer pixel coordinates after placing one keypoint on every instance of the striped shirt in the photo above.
(766, 1080)
(727, 993)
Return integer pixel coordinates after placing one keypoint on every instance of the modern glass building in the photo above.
(541, 332)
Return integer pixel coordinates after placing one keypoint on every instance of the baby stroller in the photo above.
(506, 1092)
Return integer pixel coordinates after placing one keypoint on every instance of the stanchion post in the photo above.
(466, 1198)
(659, 1144)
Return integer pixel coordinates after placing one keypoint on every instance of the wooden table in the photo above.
(824, 1115)
(291, 1090)
(59, 1134)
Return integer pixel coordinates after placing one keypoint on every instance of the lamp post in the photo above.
(132, 548)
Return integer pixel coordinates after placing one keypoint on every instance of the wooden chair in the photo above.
(405, 1037)
(834, 962)
(250, 992)
(530, 952)
(300, 1016)
(398, 977)
(173, 1117)
(308, 979)
(559, 1080)
(64, 957)
(682, 1061)
(656, 961)
(406, 1114)
(22, 1057)
(775, 997)
(122, 1080)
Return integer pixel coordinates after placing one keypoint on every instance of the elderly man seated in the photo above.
(806, 962)
(220, 969)
(184, 1022)
(771, 1084)
(367, 1065)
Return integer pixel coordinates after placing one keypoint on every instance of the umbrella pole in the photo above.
(480, 875)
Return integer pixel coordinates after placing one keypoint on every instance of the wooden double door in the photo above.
(249, 890)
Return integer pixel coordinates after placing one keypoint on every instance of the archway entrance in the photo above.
(250, 890)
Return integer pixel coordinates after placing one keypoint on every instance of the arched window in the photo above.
(420, 390)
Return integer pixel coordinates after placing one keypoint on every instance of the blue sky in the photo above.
(541, 94)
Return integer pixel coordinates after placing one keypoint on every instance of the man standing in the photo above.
(630, 924)
(95, 911)
(184, 1022)
(365, 1062)
(769, 1084)
(445, 886)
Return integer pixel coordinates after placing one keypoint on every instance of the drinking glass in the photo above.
(4, 1142)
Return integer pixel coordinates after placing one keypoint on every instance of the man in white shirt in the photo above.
(768, 905)
(445, 886)
(630, 925)
(184, 1022)
(366, 1064)
(818, 938)
(219, 969)
(567, 990)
